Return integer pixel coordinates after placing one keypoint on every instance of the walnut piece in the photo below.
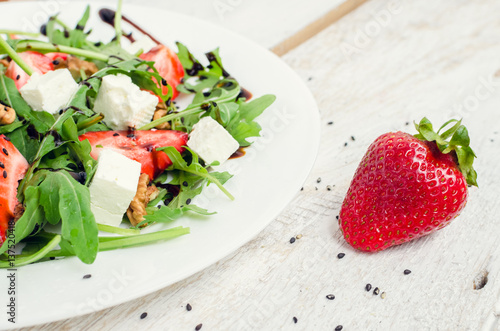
(7, 115)
(161, 110)
(137, 209)
(4, 62)
(75, 66)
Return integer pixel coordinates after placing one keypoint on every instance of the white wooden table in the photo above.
(373, 69)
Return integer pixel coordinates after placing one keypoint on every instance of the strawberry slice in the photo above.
(37, 61)
(13, 166)
(55, 55)
(139, 146)
(168, 65)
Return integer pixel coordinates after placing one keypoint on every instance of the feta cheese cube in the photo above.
(145, 43)
(49, 92)
(211, 141)
(123, 104)
(113, 187)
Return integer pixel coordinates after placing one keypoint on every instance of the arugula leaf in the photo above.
(63, 198)
(9, 95)
(194, 168)
(58, 159)
(27, 145)
(32, 217)
(68, 37)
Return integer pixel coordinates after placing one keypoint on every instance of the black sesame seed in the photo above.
(55, 62)
(144, 315)
(352, 138)
(164, 82)
(4, 174)
(184, 183)
(52, 258)
(337, 217)
(345, 144)
(368, 287)
(188, 201)
(310, 78)
(198, 327)
(292, 240)
(116, 134)
(407, 123)
(330, 296)
(302, 189)
(341, 255)
(2, 165)
(18, 77)
(188, 307)
(376, 291)
(330, 123)
(87, 276)
(318, 180)
(5, 151)
(295, 320)
(407, 272)
(339, 327)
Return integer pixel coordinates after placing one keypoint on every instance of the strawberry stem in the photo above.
(459, 143)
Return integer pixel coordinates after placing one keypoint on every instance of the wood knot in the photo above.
(481, 280)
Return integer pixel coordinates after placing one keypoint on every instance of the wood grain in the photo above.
(434, 59)
(316, 26)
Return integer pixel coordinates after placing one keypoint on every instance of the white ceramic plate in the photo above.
(266, 179)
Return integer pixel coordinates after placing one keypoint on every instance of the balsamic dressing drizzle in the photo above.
(108, 16)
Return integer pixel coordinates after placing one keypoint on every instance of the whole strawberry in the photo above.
(408, 186)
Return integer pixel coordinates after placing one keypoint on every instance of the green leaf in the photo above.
(460, 137)
(24, 143)
(241, 131)
(63, 198)
(9, 95)
(162, 215)
(194, 168)
(251, 110)
(459, 143)
(33, 216)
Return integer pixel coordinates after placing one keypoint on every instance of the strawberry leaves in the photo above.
(459, 144)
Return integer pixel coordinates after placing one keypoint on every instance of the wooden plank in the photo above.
(316, 26)
(376, 70)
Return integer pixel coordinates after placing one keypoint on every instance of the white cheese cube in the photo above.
(113, 187)
(145, 43)
(123, 104)
(211, 141)
(49, 92)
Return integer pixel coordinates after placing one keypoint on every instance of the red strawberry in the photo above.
(407, 186)
(168, 65)
(139, 146)
(37, 61)
(55, 56)
(13, 165)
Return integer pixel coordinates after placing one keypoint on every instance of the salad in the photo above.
(90, 136)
